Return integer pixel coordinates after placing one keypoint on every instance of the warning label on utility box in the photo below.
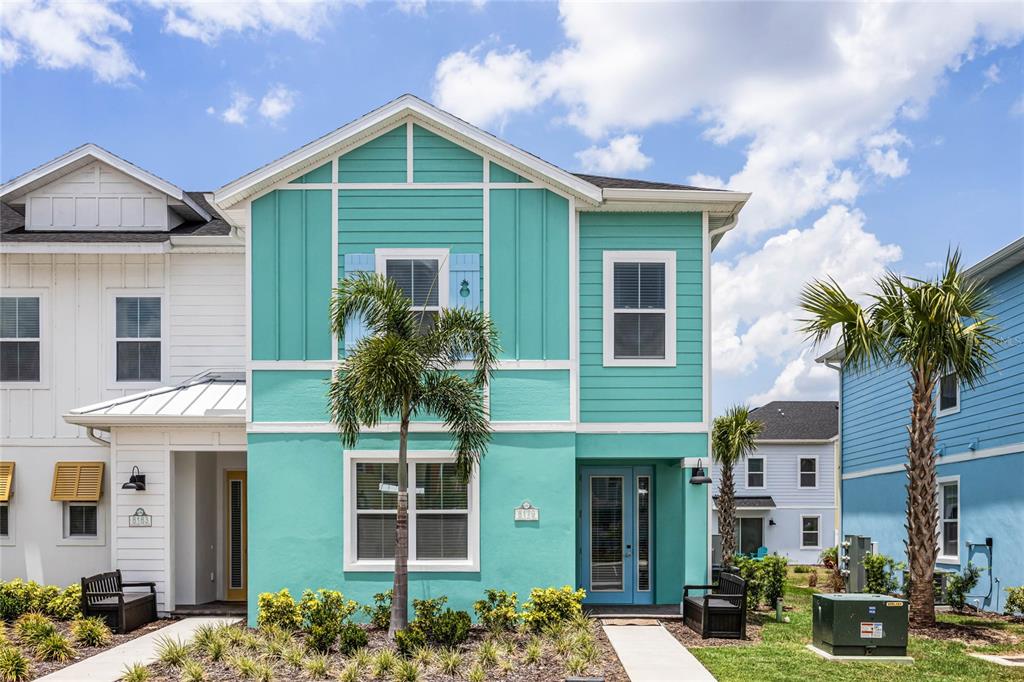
(871, 631)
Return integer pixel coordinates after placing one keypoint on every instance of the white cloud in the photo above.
(755, 314)
(412, 6)
(277, 103)
(887, 162)
(801, 379)
(1017, 108)
(992, 76)
(67, 35)
(485, 89)
(237, 113)
(620, 155)
(208, 21)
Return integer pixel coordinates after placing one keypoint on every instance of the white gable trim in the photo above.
(87, 153)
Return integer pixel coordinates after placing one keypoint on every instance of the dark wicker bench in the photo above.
(103, 595)
(721, 613)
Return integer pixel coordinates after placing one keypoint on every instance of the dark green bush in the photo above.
(800, 568)
(15, 598)
(750, 571)
(324, 614)
(409, 640)
(450, 629)
(380, 612)
(773, 578)
(959, 585)
(880, 574)
(351, 638)
(499, 611)
(1015, 601)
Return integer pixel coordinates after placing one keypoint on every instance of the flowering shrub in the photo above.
(498, 613)
(278, 610)
(551, 605)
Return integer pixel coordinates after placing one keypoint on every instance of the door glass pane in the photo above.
(606, 534)
(751, 535)
(643, 537)
(235, 534)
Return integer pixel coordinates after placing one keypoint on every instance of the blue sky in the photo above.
(872, 137)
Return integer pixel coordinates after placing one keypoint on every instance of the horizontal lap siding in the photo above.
(382, 159)
(641, 394)
(436, 159)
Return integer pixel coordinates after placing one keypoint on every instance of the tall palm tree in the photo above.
(933, 328)
(732, 439)
(402, 367)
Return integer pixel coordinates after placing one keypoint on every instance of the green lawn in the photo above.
(782, 656)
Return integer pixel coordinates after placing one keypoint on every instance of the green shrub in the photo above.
(773, 578)
(449, 661)
(68, 604)
(407, 671)
(380, 613)
(551, 605)
(751, 572)
(136, 672)
(318, 667)
(193, 671)
(487, 654)
(33, 628)
(173, 652)
(351, 638)
(15, 599)
(14, 665)
(91, 632)
(880, 573)
(1015, 601)
(427, 612)
(323, 616)
(278, 609)
(959, 585)
(409, 640)
(499, 611)
(55, 647)
(384, 662)
(534, 652)
(477, 674)
(450, 629)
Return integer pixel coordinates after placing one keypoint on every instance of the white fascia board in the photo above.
(105, 421)
(702, 196)
(999, 262)
(194, 240)
(85, 247)
(393, 112)
(59, 166)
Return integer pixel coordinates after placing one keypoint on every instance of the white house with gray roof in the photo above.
(786, 492)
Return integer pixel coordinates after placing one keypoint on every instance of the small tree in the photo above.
(732, 439)
(402, 367)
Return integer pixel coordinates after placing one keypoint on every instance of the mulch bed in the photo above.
(41, 668)
(689, 638)
(983, 630)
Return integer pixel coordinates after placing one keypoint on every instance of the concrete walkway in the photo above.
(109, 665)
(650, 653)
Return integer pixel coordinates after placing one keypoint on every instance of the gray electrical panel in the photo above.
(854, 549)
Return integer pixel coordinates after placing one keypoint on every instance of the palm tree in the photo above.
(732, 439)
(933, 328)
(402, 367)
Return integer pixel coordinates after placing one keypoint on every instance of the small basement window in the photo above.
(639, 308)
(81, 520)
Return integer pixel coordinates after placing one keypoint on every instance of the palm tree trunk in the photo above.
(922, 504)
(727, 516)
(400, 591)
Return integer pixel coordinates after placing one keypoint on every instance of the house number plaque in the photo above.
(527, 512)
(140, 519)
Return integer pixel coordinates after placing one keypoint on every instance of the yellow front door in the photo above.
(236, 535)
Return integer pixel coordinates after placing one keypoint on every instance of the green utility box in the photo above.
(860, 624)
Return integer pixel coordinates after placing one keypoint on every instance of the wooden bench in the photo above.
(720, 613)
(103, 595)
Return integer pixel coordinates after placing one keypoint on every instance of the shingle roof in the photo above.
(605, 182)
(798, 419)
(752, 501)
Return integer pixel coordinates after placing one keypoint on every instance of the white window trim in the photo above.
(44, 337)
(610, 258)
(938, 398)
(113, 295)
(9, 539)
(949, 558)
(470, 564)
(800, 540)
(63, 538)
(382, 256)
(764, 473)
(799, 460)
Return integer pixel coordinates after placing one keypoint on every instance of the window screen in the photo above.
(639, 300)
(138, 318)
(81, 520)
(808, 473)
(19, 338)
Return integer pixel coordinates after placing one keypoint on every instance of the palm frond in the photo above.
(381, 303)
(459, 333)
(830, 307)
(734, 435)
(460, 405)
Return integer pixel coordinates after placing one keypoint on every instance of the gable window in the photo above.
(810, 532)
(422, 275)
(639, 308)
(949, 394)
(949, 522)
(808, 472)
(755, 472)
(138, 338)
(19, 338)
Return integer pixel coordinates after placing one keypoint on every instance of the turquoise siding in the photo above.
(530, 395)
(289, 395)
(412, 218)
(642, 394)
(291, 261)
(436, 159)
(634, 446)
(382, 159)
(529, 231)
(502, 174)
(321, 174)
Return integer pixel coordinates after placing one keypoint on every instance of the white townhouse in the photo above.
(114, 283)
(786, 490)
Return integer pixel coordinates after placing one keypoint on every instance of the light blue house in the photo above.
(980, 443)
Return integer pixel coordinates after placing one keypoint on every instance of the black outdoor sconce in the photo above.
(136, 482)
(698, 477)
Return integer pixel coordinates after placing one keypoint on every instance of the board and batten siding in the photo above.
(641, 394)
(876, 402)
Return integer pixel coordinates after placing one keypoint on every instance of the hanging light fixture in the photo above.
(699, 477)
(137, 481)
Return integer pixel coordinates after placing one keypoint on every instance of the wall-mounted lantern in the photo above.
(137, 481)
(699, 477)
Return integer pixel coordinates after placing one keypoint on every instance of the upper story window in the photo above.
(808, 475)
(949, 394)
(422, 275)
(949, 523)
(19, 338)
(138, 338)
(639, 308)
(755, 472)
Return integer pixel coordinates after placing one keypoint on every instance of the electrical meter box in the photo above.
(860, 624)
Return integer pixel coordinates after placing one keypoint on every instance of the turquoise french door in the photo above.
(617, 535)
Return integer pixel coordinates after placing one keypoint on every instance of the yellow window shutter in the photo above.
(6, 480)
(77, 481)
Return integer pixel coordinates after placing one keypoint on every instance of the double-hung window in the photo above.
(810, 532)
(755, 472)
(949, 521)
(138, 338)
(808, 474)
(949, 394)
(639, 308)
(19, 338)
(422, 275)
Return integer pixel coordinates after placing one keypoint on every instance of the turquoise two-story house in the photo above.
(979, 435)
(600, 404)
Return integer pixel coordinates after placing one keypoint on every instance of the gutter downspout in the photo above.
(90, 433)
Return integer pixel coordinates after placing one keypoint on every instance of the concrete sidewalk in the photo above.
(109, 665)
(650, 653)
